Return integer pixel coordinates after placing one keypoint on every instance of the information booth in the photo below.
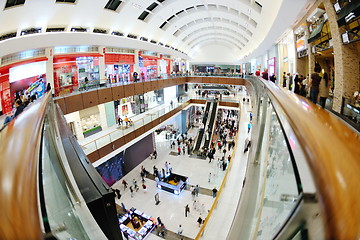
(173, 183)
(136, 224)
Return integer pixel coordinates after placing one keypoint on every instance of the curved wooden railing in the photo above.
(19, 154)
(332, 151)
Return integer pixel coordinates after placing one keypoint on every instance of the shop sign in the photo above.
(300, 44)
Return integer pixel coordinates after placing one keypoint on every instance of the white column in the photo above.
(136, 65)
(49, 52)
(102, 116)
(102, 65)
(158, 64)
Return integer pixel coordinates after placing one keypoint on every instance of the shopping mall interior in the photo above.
(169, 119)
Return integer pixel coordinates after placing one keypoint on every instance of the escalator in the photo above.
(201, 131)
(211, 124)
(63, 196)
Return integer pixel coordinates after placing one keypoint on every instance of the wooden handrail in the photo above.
(19, 154)
(332, 151)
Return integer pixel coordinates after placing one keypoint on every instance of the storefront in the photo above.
(90, 121)
(164, 67)
(148, 67)
(119, 67)
(5, 95)
(71, 72)
(125, 107)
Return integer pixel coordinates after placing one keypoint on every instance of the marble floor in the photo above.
(171, 209)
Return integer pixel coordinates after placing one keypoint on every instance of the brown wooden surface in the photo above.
(333, 153)
(82, 100)
(19, 154)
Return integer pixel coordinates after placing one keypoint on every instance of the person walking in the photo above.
(199, 221)
(159, 221)
(131, 191)
(197, 190)
(214, 192)
(135, 185)
(144, 187)
(170, 168)
(187, 210)
(117, 192)
(324, 90)
(125, 184)
(180, 230)
(249, 127)
(314, 83)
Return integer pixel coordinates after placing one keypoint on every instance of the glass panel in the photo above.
(61, 212)
(128, 130)
(101, 142)
(116, 135)
(138, 124)
(147, 119)
(280, 192)
(89, 148)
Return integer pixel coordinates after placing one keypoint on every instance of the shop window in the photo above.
(65, 1)
(113, 4)
(153, 41)
(7, 36)
(30, 31)
(152, 6)
(98, 30)
(169, 19)
(161, 44)
(78, 29)
(143, 15)
(55, 29)
(189, 8)
(132, 36)
(117, 33)
(12, 3)
(144, 39)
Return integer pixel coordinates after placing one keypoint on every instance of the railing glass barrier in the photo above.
(279, 189)
(59, 199)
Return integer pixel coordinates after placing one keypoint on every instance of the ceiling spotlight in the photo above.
(135, 5)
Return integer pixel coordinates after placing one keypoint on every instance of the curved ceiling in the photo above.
(184, 25)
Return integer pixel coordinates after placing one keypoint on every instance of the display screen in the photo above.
(111, 171)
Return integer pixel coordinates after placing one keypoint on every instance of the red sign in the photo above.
(119, 59)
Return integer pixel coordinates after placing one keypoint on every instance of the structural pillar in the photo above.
(49, 52)
(136, 60)
(346, 61)
(102, 51)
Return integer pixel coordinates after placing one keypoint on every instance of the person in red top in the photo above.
(179, 150)
(142, 76)
(257, 73)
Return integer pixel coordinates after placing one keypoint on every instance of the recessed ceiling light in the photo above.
(135, 5)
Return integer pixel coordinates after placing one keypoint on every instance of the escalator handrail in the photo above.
(332, 151)
(19, 157)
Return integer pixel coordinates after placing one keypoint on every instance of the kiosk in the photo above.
(136, 224)
(173, 183)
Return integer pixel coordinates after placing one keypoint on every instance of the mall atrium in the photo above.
(179, 119)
